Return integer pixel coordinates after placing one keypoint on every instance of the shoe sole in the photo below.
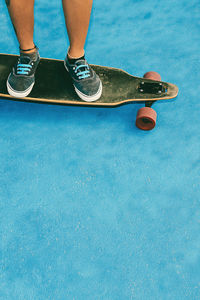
(19, 94)
(84, 97)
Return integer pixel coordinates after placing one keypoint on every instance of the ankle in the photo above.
(75, 54)
(28, 50)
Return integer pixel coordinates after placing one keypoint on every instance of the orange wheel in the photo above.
(152, 75)
(146, 118)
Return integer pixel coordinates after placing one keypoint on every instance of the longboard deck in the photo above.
(53, 85)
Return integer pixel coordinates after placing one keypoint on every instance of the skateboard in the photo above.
(53, 85)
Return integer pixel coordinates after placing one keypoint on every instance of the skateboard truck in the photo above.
(152, 88)
(146, 116)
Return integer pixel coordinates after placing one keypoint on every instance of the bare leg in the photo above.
(77, 17)
(22, 16)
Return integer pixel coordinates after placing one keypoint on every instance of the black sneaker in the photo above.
(22, 78)
(86, 82)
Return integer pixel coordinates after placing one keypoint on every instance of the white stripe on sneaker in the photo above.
(19, 94)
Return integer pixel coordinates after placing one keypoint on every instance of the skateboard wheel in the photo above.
(146, 118)
(152, 75)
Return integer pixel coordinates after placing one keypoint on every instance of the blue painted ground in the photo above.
(92, 207)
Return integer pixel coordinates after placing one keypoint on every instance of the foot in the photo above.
(86, 82)
(22, 77)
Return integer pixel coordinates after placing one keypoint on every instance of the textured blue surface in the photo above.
(92, 207)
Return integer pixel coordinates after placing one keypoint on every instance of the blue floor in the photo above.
(90, 206)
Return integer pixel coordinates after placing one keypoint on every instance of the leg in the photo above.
(22, 16)
(86, 82)
(77, 17)
(22, 76)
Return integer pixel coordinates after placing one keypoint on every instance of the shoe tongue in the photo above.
(27, 57)
(80, 62)
(25, 60)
